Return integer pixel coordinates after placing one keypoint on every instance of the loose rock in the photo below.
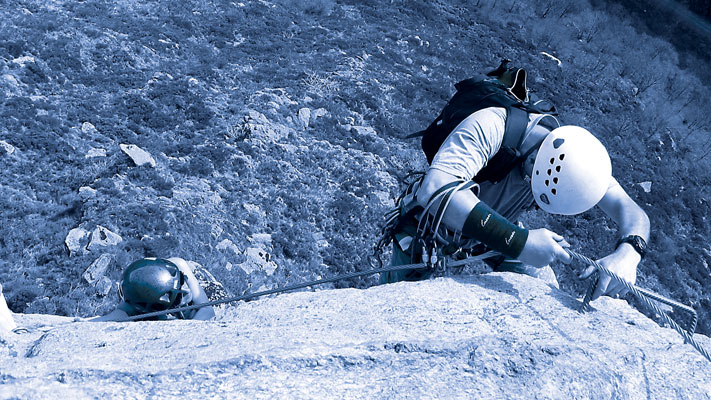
(258, 259)
(261, 239)
(7, 147)
(646, 186)
(10, 84)
(93, 152)
(76, 240)
(87, 128)
(102, 238)
(138, 155)
(227, 244)
(103, 286)
(98, 268)
(304, 117)
(85, 192)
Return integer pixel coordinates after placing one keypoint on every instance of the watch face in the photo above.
(639, 242)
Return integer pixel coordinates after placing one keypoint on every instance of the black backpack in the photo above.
(481, 92)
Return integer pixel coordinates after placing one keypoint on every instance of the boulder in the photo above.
(86, 193)
(304, 117)
(77, 239)
(258, 259)
(6, 147)
(138, 155)
(102, 238)
(646, 186)
(493, 336)
(98, 268)
(94, 152)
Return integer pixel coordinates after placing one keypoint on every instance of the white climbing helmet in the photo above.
(572, 171)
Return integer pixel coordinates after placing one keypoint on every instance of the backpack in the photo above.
(481, 92)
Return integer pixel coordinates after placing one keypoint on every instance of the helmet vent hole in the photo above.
(555, 180)
(552, 160)
(557, 168)
(561, 157)
(544, 199)
(538, 172)
(553, 191)
(547, 182)
(558, 142)
(549, 172)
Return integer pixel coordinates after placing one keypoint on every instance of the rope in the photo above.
(644, 295)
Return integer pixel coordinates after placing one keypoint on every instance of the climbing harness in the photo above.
(645, 296)
(429, 237)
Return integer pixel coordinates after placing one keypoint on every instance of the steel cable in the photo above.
(456, 263)
(644, 295)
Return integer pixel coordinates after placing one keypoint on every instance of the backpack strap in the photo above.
(528, 132)
(516, 124)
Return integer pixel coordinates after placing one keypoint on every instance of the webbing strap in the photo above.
(535, 123)
(516, 123)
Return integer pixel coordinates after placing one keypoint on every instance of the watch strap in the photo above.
(637, 242)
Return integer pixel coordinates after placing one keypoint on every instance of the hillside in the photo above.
(272, 134)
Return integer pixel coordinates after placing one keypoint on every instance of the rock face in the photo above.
(497, 336)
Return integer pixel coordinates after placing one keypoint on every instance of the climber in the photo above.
(156, 284)
(7, 323)
(564, 171)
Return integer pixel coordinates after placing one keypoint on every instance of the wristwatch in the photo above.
(639, 244)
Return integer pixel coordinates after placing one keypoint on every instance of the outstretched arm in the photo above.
(466, 213)
(630, 220)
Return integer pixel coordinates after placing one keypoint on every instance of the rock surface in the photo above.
(495, 336)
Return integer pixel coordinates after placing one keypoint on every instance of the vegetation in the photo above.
(280, 125)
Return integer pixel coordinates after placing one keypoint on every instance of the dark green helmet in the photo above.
(154, 284)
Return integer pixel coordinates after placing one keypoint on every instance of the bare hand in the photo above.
(623, 265)
(543, 247)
